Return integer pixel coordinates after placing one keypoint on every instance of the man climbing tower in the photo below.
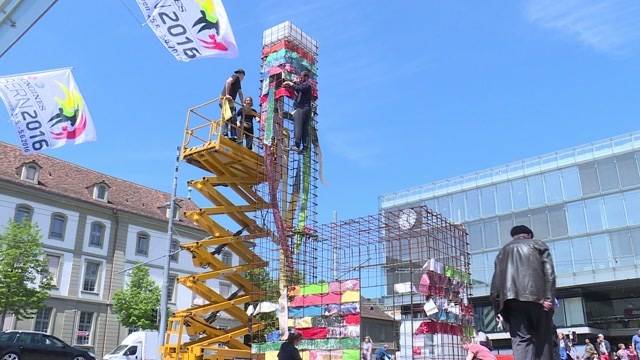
(302, 113)
(245, 116)
(232, 88)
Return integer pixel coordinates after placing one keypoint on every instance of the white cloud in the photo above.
(612, 26)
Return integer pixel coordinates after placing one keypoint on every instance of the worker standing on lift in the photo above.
(302, 114)
(245, 116)
(232, 88)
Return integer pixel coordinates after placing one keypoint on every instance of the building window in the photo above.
(171, 288)
(491, 234)
(30, 173)
(53, 262)
(57, 226)
(595, 214)
(557, 221)
(614, 209)
(581, 254)
(225, 289)
(504, 198)
(91, 276)
(488, 201)
(632, 203)
(621, 248)
(536, 191)
(608, 174)
(100, 192)
(562, 258)
(43, 318)
(571, 186)
(540, 222)
(227, 258)
(520, 198)
(589, 179)
(96, 234)
(24, 212)
(576, 219)
(142, 244)
(175, 247)
(600, 251)
(628, 169)
(553, 187)
(85, 328)
(473, 205)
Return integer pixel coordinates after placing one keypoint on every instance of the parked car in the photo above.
(33, 345)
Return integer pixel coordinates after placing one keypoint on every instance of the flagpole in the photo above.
(164, 297)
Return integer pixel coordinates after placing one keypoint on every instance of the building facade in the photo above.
(584, 202)
(94, 228)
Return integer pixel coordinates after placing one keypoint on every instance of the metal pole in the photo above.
(335, 245)
(164, 297)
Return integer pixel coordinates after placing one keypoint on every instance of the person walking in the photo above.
(245, 115)
(230, 91)
(564, 348)
(288, 349)
(622, 353)
(367, 347)
(522, 292)
(635, 342)
(590, 352)
(302, 113)
(633, 355)
(604, 348)
(382, 354)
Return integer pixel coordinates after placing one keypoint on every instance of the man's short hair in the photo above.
(521, 229)
(305, 73)
(239, 71)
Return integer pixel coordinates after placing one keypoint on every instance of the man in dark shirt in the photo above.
(230, 91)
(302, 114)
(288, 349)
(245, 116)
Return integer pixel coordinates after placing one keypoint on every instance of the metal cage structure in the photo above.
(411, 266)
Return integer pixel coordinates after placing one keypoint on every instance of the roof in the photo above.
(61, 177)
(370, 310)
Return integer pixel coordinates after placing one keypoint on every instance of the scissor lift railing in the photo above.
(192, 334)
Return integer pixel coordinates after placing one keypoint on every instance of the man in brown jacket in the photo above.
(523, 293)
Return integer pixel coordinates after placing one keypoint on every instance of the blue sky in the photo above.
(410, 91)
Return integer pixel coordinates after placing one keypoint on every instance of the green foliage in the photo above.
(262, 279)
(24, 274)
(138, 303)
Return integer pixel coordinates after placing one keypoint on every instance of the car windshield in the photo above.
(118, 349)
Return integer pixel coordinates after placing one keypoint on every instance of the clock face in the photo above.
(407, 219)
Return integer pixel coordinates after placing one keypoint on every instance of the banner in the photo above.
(191, 29)
(47, 110)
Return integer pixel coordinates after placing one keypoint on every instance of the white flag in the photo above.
(191, 29)
(47, 109)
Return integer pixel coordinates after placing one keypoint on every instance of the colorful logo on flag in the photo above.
(191, 29)
(47, 110)
(71, 121)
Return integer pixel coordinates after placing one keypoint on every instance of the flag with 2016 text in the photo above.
(46, 109)
(191, 29)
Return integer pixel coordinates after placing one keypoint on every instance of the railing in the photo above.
(514, 170)
(204, 125)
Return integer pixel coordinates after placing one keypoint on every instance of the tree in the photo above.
(24, 272)
(137, 304)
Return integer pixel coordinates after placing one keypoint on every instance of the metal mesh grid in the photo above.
(384, 252)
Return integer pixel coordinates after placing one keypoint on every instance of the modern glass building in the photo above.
(584, 202)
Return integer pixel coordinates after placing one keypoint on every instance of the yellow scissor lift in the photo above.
(189, 335)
